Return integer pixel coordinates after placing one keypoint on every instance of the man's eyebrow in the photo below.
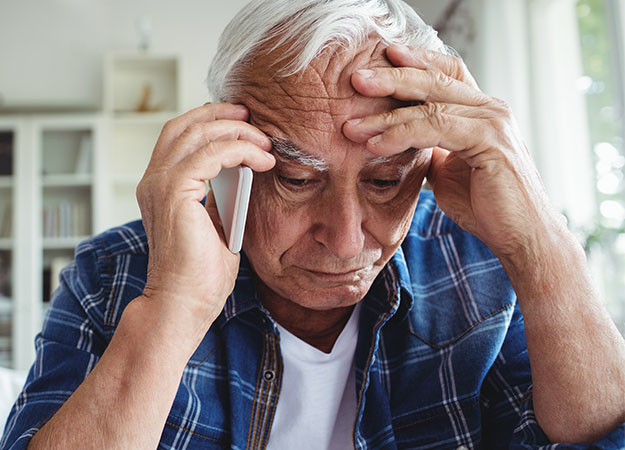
(407, 155)
(289, 151)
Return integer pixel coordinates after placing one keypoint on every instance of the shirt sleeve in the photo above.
(508, 413)
(67, 349)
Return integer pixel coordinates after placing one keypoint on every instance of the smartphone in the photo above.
(232, 188)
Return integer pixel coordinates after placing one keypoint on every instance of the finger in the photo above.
(362, 129)
(467, 136)
(403, 56)
(205, 113)
(202, 133)
(450, 162)
(206, 162)
(410, 84)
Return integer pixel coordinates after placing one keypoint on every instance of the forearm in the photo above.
(125, 400)
(577, 355)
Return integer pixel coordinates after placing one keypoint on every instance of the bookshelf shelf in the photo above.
(6, 182)
(67, 180)
(134, 118)
(127, 180)
(6, 305)
(66, 243)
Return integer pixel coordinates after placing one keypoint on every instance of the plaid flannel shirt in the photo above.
(441, 359)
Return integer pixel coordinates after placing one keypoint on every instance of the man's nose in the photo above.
(339, 225)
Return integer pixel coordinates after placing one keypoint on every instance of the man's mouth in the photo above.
(349, 275)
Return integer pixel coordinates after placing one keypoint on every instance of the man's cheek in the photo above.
(394, 217)
(271, 220)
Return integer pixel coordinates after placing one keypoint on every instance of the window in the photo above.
(601, 26)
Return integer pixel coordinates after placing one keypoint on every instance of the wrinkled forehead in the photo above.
(318, 100)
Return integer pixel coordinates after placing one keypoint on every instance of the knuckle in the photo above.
(404, 129)
(140, 191)
(391, 117)
(502, 107)
(441, 79)
(195, 128)
(208, 151)
(456, 67)
(440, 121)
(402, 74)
(172, 125)
(433, 109)
(502, 128)
(410, 128)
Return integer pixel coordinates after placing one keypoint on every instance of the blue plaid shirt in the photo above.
(441, 359)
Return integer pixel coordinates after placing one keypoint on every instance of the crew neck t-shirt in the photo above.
(317, 403)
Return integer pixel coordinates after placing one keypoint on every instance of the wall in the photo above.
(53, 57)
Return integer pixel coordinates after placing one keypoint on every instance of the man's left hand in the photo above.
(481, 173)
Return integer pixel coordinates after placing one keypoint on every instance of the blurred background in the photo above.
(86, 85)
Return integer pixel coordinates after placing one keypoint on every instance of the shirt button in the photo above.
(269, 375)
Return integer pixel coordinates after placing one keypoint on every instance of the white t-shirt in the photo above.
(317, 403)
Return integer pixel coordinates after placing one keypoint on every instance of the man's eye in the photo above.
(295, 182)
(383, 184)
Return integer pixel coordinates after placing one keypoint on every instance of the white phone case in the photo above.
(232, 188)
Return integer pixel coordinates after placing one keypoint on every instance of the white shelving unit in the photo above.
(11, 136)
(57, 199)
(65, 177)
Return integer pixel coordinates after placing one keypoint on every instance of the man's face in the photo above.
(321, 227)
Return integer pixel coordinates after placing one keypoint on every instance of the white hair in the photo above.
(305, 28)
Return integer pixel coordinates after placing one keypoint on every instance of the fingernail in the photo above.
(417, 60)
(402, 48)
(375, 140)
(269, 156)
(366, 73)
(354, 121)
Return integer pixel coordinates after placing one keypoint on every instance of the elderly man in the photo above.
(359, 315)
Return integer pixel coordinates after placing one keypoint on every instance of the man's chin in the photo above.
(325, 296)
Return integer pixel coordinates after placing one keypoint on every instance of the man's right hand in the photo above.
(191, 272)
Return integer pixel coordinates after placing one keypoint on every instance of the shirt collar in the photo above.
(244, 297)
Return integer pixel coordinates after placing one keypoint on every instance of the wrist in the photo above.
(166, 326)
(550, 260)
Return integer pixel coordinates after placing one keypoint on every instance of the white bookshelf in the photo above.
(10, 136)
(73, 175)
(54, 169)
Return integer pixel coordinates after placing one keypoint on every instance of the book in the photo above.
(57, 264)
(6, 220)
(83, 160)
(6, 153)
